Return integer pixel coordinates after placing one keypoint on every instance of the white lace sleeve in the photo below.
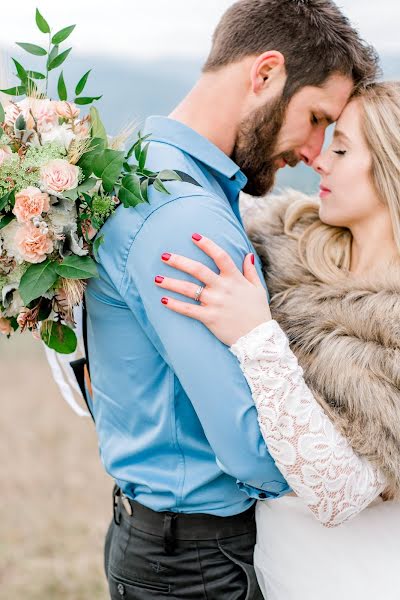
(316, 460)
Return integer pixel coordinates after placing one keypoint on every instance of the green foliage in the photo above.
(107, 166)
(98, 129)
(80, 86)
(37, 280)
(61, 87)
(77, 267)
(42, 23)
(59, 59)
(62, 35)
(33, 49)
(59, 337)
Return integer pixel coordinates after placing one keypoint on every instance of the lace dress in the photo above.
(295, 557)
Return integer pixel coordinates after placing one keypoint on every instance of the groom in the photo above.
(176, 423)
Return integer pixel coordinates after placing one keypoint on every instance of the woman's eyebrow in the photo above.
(340, 134)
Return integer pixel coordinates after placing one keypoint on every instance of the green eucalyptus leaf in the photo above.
(37, 280)
(107, 166)
(62, 35)
(87, 185)
(86, 99)
(71, 194)
(130, 193)
(80, 86)
(2, 114)
(52, 55)
(21, 72)
(32, 49)
(6, 219)
(35, 75)
(98, 129)
(42, 23)
(59, 59)
(15, 91)
(58, 337)
(143, 157)
(144, 186)
(160, 187)
(77, 267)
(61, 87)
(167, 174)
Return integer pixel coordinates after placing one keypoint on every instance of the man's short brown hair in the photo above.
(315, 38)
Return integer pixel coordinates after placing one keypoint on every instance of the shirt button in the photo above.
(121, 589)
(262, 495)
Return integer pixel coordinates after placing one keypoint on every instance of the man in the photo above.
(178, 432)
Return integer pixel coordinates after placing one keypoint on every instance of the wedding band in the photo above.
(198, 293)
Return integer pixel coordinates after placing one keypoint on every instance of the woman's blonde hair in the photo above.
(326, 250)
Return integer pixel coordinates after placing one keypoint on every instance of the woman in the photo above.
(332, 269)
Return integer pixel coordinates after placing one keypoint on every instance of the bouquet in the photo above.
(61, 177)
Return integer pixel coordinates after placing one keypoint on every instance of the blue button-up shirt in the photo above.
(176, 422)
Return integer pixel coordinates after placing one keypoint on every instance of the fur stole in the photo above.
(346, 336)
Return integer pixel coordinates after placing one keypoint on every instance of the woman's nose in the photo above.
(319, 164)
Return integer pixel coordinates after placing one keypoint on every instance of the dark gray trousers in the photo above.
(151, 555)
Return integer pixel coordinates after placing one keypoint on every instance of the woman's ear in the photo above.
(267, 68)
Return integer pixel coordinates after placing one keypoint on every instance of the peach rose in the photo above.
(67, 110)
(11, 111)
(33, 244)
(59, 175)
(5, 153)
(5, 326)
(42, 109)
(30, 202)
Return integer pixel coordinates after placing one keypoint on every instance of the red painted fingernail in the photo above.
(164, 300)
(159, 279)
(197, 237)
(252, 258)
(166, 256)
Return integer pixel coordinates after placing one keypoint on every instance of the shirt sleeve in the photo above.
(317, 461)
(208, 372)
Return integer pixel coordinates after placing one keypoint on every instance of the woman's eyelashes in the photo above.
(340, 152)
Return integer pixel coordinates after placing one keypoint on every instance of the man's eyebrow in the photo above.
(328, 117)
(338, 133)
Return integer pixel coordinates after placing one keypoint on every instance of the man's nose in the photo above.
(309, 152)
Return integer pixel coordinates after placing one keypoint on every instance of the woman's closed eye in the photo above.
(340, 152)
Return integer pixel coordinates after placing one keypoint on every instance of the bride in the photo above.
(324, 369)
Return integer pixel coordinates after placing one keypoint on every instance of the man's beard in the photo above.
(255, 145)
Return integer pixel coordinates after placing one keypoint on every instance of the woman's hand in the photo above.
(231, 303)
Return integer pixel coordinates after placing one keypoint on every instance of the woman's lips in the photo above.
(323, 191)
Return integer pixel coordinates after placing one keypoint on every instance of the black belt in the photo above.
(180, 526)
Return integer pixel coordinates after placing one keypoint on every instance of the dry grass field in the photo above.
(55, 500)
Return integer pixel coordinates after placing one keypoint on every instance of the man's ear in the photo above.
(267, 68)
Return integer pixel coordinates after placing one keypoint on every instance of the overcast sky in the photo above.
(137, 29)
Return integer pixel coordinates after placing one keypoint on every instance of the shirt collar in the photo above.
(175, 133)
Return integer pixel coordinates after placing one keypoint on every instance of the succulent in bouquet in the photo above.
(61, 178)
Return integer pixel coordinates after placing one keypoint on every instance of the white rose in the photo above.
(61, 134)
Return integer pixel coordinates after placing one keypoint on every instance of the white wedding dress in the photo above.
(337, 539)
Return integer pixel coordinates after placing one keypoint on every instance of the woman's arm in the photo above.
(316, 460)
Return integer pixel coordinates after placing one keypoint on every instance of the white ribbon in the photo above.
(62, 371)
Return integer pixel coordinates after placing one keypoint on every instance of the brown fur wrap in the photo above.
(346, 336)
